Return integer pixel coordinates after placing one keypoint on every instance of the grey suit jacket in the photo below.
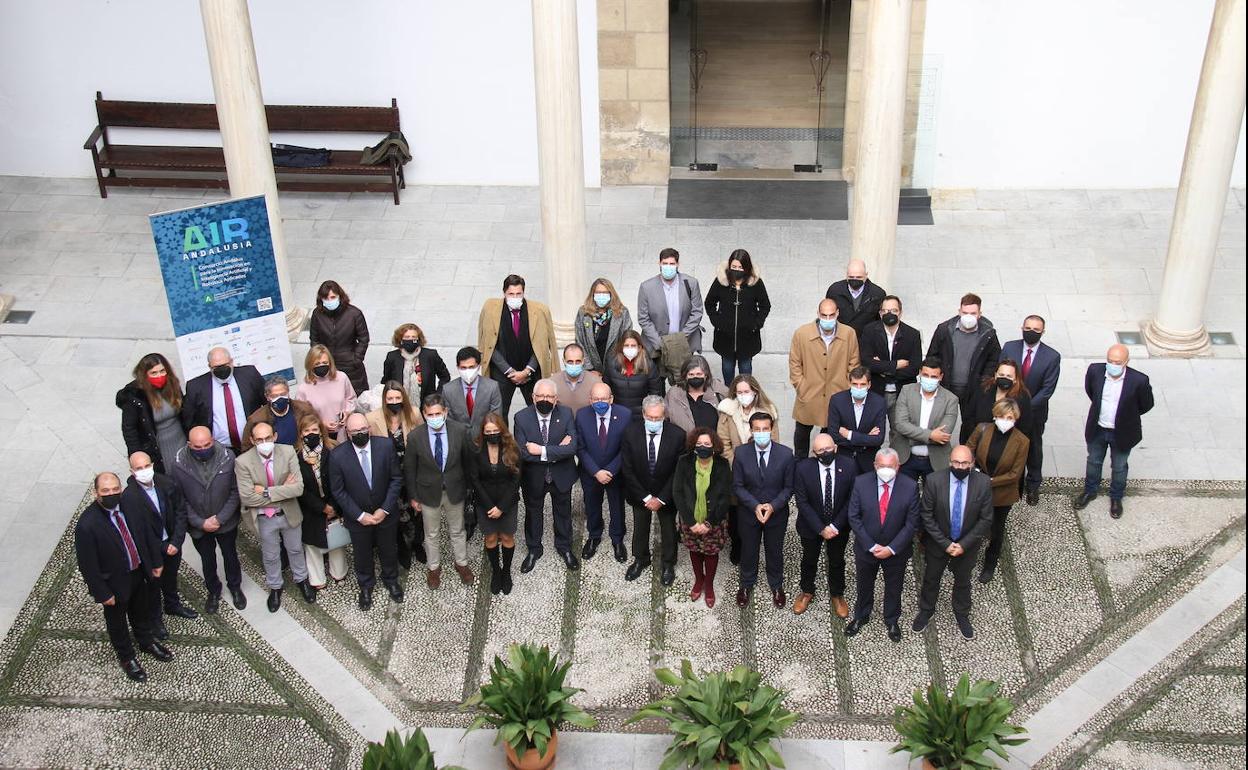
(652, 312)
(424, 480)
(487, 398)
(976, 510)
(906, 429)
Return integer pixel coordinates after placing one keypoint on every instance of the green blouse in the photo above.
(701, 482)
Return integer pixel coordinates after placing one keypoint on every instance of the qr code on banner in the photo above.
(264, 303)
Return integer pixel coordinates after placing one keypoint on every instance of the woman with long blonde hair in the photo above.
(600, 322)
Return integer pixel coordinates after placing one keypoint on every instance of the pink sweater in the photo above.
(330, 398)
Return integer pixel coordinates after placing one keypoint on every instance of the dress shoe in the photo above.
(802, 601)
(570, 561)
(133, 670)
(366, 598)
(743, 597)
(465, 573)
(395, 590)
(854, 626)
(635, 569)
(621, 553)
(590, 548)
(434, 578)
(1033, 497)
(1115, 509)
(157, 650)
(1082, 501)
(894, 633)
(275, 599)
(530, 561)
(238, 598)
(779, 599)
(840, 607)
(964, 625)
(180, 610)
(920, 622)
(212, 604)
(160, 631)
(667, 576)
(309, 593)
(987, 574)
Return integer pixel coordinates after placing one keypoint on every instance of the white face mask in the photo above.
(968, 321)
(885, 474)
(745, 399)
(145, 475)
(265, 448)
(1004, 424)
(515, 303)
(630, 353)
(470, 375)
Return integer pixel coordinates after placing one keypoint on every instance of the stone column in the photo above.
(1178, 328)
(877, 176)
(244, 126)
(561, 165)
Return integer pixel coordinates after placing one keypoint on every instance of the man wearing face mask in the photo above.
(1040, 366)
(281, 411)
(856, 297)
(1119, 395)
(434, 463)
(204, 473)
(600, 430)
(762, 480)
(669, 314)
(856, 420)
(821, 355)
(517, 339)
(573, 380)
(470, 397)
(924, 423)
(650, 450)
(892, 350)
(967, 344)
(222, 398)
(546, 436)
(154, 498)
(822, 485)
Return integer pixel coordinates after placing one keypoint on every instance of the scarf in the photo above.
(411, 374)
(313, 458)
(603, 318)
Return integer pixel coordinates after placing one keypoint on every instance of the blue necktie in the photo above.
(437, 450)
(955, 514)
(367, 467)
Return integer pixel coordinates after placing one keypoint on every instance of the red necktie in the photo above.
(231, 421)
(884, 504)
(132, 553)
(1027, 363)
(515, 323)
(470, 400)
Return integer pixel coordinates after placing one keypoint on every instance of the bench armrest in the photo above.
(95, 137)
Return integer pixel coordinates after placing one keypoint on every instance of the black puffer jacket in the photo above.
(737, 314)
(345, 333)
(138, 425)
(629, 391)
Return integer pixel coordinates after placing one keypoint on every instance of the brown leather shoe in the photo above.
(465, 573)
(802, 602)
(434, 577)
(840, 607)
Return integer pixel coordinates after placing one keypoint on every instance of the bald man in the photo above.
(857, 298)
(1119, 396)
(154, 497)
(821, 355)
(222, 397)
(600, 436)
(204, 473)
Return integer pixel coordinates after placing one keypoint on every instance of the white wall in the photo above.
(1066, 93)
(462, 72)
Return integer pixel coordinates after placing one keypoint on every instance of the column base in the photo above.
(297, 319)
(6, 304)
(1164, 343)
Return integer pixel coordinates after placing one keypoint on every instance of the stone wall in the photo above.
(635, 125)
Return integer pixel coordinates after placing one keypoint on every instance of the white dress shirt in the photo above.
(658, 440)
(1110, 397)
(221, 428)
(926, 405)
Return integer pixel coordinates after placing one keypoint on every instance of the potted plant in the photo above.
(525, 700)
(399, 753)
(721, 720)
(957, 731)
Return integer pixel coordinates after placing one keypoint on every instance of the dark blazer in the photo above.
(433, 372)
(868, 303)
(808, 489)
(983, 359)
(874, 353)
(639, 483)
(502, 491)
(560, 459)
(630, 391)
(138, 426)
(312, 502)
(1009, 470)
(352, 493)
(737, 315)
(102, 553)
(979, 410)
(750, 485)
(594, 456)
(841, 415)
(1136, 400)
(718, 493)
(976, 510)
(345, 333)
(197, 406)
(900, 522)
(1041, 379)
(219, 497)
(425, 481)
(172, 514)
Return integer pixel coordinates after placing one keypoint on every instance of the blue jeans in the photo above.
(1102, 441)
(731, 363)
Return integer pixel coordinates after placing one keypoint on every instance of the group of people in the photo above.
(938, 444)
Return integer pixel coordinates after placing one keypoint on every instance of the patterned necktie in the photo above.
(268, 476)
(827, 493)
(1027, 363)
(470, 400)
(955, 518)
(651, 455)
(132, 553)
(231, 422)
(602, 432)
(437, 451)
(884, 497)
(546, 441)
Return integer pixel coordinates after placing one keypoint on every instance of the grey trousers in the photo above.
(431, 517)
(276, 533)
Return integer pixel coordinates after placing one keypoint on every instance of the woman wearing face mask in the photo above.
(1000, 450)
(747, 397)
(317, 503)
(340, 326)
(600, 322)
(631, 373)
(1006, 382)
(327, 390)
(702, 486)
(394, 419)
(494, 473)
(694, 400)
(418, 367)
(737, 307)
(150, 412)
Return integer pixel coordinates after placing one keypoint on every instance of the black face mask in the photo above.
(360, 439)
(544, 407)
(856, 283)
(203, 455)
(321, 371)
(110, 501)
(696, 383)
(410, 346)
(736, 275)
(890, 319)
(312, 441)
(827, 458)
(1005, 383)
(960, 473)
(1031, 337)
(395, 408)
(493, 438)
(222, 372)
(280, 404)
(703, 452)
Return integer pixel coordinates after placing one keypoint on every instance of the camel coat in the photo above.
(734, 422)
(817, 372)
(541, 334)
(1010, 467)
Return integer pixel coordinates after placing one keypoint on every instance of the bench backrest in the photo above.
(281, 117)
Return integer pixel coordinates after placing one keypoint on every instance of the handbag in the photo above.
(336, 535)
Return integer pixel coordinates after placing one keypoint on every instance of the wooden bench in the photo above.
(171, 166)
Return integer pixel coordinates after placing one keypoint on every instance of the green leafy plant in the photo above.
(719, 719)
(399, 753)
(525, 699)
(957, 731)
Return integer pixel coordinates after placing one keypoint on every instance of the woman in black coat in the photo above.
(494, 473)
(702, 488)
(419, 369)
(151, 406)
(1006, 382)
(317, 503)
(737, 307)
(632, 374)
(340, 326)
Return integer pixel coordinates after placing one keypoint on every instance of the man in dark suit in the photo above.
(117, 556)
(856, 297)
(156, 498)
(884, 514)
(1040, 366)
(762, 480)
(1119, 395)
(892, 350)
(434, 463)
(650, 451)
(365, 477)
(956, 509)
(222, 397)
(856, 419)
(822, 485)
(546, 436)
(599, 438)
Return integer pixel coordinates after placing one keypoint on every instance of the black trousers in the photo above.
(508, 390)
(771, 537)
(801, 440)
(866, 568)
(835, 548)
(992, 554)
(133, 612)
(642, 517)
(534, 520)
(1035, 452)
(163, 591)
(207, 545)
(864, 457)
(594, 494)
(935, 562)
(385, 538)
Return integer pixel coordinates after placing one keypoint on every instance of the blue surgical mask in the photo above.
(654, 426)
(1114, 370)
(601, 407)
(858, 394)
(602, 299)
(574, 370)
(827, 324)
(437, 423)
(667, 271)
(762, 438)
(929, 384)
(330, 304)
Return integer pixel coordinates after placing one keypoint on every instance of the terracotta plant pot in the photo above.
(531, 759)
(927, 764)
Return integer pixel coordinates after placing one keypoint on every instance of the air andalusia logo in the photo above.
(215, 238)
